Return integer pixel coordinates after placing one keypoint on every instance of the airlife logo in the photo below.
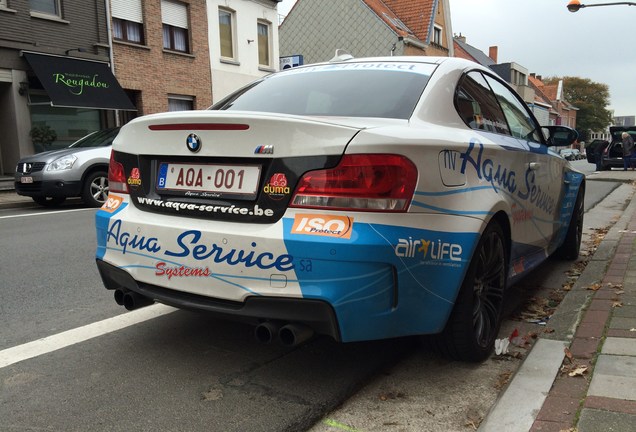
(428, 249)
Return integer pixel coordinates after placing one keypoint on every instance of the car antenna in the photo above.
(341, 55)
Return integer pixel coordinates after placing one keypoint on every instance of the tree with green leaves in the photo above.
(592, 100)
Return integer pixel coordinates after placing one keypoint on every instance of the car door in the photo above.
(542, 184)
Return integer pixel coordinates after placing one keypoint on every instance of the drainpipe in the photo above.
(111, 57)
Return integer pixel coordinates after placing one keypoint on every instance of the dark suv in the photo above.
(611, 151)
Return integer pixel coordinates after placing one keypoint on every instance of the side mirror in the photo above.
(560, 135)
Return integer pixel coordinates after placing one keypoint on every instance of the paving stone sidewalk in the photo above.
(601, 394)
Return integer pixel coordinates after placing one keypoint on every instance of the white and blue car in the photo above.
(360, 199)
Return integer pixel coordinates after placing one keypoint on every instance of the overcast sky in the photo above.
(544, 37)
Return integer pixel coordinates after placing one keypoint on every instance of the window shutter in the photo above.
(174, 14)
(129, 10)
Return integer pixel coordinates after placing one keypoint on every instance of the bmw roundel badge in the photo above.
(193, 142)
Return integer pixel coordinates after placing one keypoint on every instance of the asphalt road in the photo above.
(177, 371)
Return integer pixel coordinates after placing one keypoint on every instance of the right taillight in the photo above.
(116, 176)
(361, 182)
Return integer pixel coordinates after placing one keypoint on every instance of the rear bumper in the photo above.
(317, 314)
(384, 281)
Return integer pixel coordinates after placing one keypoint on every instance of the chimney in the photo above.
(492, 53)
(461, 38)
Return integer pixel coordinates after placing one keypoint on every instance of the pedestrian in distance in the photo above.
(628, 151)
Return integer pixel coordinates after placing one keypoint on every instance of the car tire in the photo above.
(95, 189)
(49, 201)
(474, 323)
(571, 246)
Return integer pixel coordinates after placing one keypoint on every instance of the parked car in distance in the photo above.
(612, 156)
(360, 199)
(80, 170)
(569, 154)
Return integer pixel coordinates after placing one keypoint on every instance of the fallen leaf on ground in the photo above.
(502, 380)
(594, 287)
(568, 354)
(617, 304)
(578, 371)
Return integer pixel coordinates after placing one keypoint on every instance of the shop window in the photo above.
(174, 16)
(69, 124)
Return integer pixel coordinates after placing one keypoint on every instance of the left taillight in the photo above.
(360, 182)
(116, 176)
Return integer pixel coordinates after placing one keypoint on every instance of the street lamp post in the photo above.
(575, 5)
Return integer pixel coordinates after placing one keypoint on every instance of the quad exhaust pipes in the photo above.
(289, 335)
(131, 300)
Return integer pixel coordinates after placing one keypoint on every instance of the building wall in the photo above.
(81, 25)
(229, 76)
(446, 46)
(315, 29)
(157, 73)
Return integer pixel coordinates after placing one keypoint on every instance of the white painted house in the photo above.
(243, 40)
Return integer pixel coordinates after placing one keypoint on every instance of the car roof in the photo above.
(449, 61)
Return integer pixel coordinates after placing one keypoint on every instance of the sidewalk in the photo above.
(594, 388)
(10, 199)
(601, 393)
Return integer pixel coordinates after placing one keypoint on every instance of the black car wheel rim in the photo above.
(489, 283)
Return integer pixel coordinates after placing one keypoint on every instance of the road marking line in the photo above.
(58, 341)
(45, 213)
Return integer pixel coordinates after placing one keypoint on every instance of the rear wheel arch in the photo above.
(474, 322)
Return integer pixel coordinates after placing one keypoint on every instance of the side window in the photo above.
(478, 106)
(522, 125)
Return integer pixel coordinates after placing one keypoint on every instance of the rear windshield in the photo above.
(373, 89)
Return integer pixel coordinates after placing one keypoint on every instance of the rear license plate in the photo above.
(26, 179)
(209, 180)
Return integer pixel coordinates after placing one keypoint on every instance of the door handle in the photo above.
(534, 166)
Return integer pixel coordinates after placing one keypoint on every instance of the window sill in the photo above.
(179, 53)
(6, 9)
(266, 69)
(49, 17)
(229, 61)
(131, 44)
